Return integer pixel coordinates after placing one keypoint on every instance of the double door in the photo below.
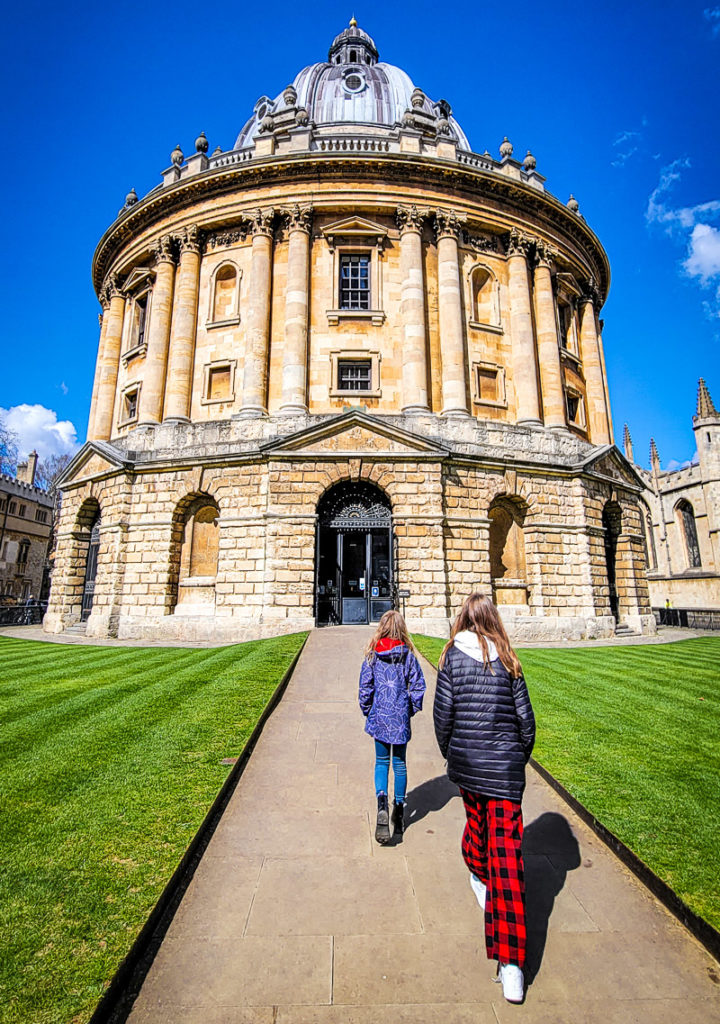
(354, 583)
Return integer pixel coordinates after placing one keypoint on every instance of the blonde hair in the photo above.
(480, 616)
(391, 625)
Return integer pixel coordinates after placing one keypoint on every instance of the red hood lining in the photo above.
(387, 643)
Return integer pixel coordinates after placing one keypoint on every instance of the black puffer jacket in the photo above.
(484, 725)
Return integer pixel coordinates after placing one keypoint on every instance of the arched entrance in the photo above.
(354, 579)
(90, 570)
(612, 523)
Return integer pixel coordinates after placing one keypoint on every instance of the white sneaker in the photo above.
(479, 889)
(513, 982)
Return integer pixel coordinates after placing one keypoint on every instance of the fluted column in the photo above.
(412, 309)
(553, 394)
(452, 335)
(257, 334)
(102, 417)
(523, 340)
(158, 337)
(592, 364)
(294, 370)
(183, 329)
(103, 318)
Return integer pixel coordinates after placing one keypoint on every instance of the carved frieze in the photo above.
(479, 242)
(224, 239)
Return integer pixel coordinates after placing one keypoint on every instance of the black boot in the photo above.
(397, 819)
(382, 829)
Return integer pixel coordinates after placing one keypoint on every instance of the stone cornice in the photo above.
(468, 184)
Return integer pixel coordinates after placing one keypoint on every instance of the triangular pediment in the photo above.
(95, 459)
(609, 463)
(140, 277)
(355, 434)
(355, 227)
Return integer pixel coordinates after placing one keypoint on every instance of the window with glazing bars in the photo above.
(354, 282)
(354, 375)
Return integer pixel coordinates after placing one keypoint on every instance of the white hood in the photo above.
(468, 643)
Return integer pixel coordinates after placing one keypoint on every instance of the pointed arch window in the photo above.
(686, 515)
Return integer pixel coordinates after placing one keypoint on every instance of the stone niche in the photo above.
(507, 556)
(198, 559)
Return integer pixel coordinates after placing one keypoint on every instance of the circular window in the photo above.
(354, 82)
(261, 111)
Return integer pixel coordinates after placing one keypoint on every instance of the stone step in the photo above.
(622, 629)
(79, 629)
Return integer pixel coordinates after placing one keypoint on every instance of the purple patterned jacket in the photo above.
(391, 692)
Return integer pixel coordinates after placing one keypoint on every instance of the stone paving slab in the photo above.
(295, 914)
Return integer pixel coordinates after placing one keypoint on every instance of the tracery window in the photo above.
(686, 514)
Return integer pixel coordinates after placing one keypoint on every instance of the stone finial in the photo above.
(529, 163)
(217, 151)
(201, 143)
(572, 204)
(131, 198)
(267, 124)
(628, 445)
(418, 98)
(301, 116)
(177, 156)
(290, 96)
(654, 455)
(506, 148)
(705, 407)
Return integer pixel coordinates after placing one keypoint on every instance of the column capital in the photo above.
(448, 224)
(299, 218)
(261, 222)
(517, 244)
(544, 255)
(164, 250)
(589, 293)
(190, 239)
(110, 289)
(409, 218)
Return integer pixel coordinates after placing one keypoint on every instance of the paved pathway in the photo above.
(296, 915)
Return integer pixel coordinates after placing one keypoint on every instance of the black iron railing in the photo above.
(22, 614)
(690, 618)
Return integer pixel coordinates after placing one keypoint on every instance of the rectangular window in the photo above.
(40, 515)
(488, 389)
(13, 508)
(131, 405)
(355, 281)
(219, 383)
(141, 318)
(354, 375)
(22, 510)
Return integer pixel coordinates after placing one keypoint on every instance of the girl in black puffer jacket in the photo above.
(485, 727)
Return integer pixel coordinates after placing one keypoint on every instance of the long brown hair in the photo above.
(391, 625)
(479, 615)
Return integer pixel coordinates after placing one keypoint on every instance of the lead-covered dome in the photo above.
(352, 89)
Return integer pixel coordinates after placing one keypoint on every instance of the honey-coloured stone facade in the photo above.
(239, 379)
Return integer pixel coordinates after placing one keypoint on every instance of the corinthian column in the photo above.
(412, 308)
(452, 340)
(182, 330)
(257, 334)
(553, 395)
(294, 370)
(521, 326)
(153, 385)
(109, 359)
(592, 364)
(103, 318)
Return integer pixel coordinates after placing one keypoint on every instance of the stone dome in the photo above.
(352, 90)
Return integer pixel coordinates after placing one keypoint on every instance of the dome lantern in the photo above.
(353, 46)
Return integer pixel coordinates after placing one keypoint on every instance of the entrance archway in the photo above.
(612, 524)
(91, 564)
(354, 565)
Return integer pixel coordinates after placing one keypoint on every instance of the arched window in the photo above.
(199, 554)
(686, 516)
(225, 295)
(650, 542)
(484, 307)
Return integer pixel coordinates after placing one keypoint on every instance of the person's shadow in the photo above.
(550, 850)
(428, 797)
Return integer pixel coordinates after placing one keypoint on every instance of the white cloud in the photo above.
(63, 387)
(691, 225)
(627, 143)
(673, 465)
(39, 428)
(712, 14)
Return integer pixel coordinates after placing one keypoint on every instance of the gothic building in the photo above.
(682, 518)
(349, 362)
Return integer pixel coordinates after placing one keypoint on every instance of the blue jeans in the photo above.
(382, 769)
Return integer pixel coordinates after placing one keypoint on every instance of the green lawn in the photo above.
(634, 734)
(110, 759)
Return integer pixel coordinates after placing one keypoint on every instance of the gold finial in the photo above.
(353, 23)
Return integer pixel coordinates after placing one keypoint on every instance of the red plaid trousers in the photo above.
(492, 849)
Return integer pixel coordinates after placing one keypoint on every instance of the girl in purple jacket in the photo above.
(391, 692)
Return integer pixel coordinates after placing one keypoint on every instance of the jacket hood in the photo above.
(467, 642)
(398, 650)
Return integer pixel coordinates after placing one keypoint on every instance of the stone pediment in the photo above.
(611, 464)
(93, 460)
(355, 228)
(356, 434)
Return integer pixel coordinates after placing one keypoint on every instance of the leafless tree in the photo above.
(8, 448)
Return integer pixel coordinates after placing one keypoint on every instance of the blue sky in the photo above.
(618, 102)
